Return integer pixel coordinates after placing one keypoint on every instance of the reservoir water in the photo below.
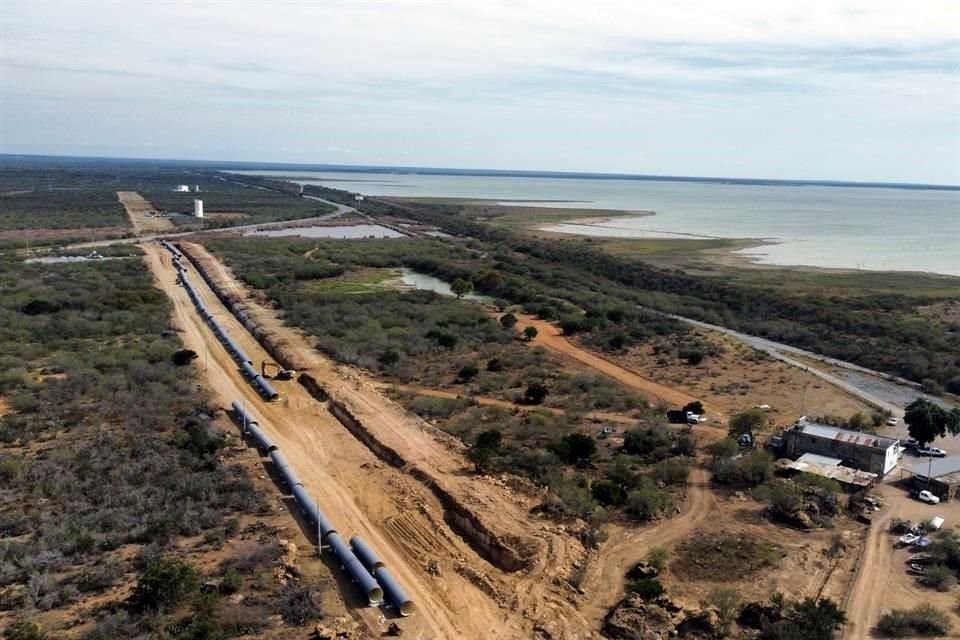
(874, 228)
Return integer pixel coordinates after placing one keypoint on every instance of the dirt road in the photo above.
(142, 214)
(549, 336)
(539, 596)
(628, 546)
(402, 520)
(881, 581)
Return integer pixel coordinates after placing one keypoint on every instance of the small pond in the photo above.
(415, 280)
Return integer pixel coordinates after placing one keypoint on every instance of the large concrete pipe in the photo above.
(313, 512)
(356, 570)
(394, 592)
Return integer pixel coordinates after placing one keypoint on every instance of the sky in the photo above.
(770, 89)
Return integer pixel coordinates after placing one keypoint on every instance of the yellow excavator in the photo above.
(279, 372)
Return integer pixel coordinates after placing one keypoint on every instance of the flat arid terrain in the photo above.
(485, 407)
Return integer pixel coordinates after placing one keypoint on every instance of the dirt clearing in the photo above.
(143, 216)
(739, 377)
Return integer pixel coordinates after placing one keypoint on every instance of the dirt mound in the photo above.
(636, 619)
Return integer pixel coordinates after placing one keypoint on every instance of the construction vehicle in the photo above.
(280, 372)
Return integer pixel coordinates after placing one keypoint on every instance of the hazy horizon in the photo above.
(859, 92)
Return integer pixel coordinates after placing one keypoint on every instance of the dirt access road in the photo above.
(882, 582)
(142, 214)
(627, 546)
(540, 593)
(549, 336)
(400, 519)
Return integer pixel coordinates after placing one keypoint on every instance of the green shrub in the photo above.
(165, 583)
(24, 630)
(647, 501)
(939, 577)
(752, 469)
(608, 493)
(671, 471)
(923, 620)
(647, 588)
(657, 557)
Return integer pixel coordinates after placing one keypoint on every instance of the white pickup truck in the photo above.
(928, 497)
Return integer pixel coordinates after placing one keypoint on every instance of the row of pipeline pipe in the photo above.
(326, 533)
(357, 559)
(249, 426)
(246, 364)
(394, 592)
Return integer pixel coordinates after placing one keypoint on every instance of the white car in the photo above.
(908, 539)
(892, 422)
(934, 452)
(928, 497)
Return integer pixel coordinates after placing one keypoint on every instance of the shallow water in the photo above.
(69, 259)
(876, 228)
(416, 280)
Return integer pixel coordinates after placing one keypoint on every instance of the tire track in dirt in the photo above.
(353, 487)
(864, 599)
(604, 579)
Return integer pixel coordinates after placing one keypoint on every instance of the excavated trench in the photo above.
(499, 552)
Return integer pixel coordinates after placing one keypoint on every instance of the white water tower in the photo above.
(198, 208)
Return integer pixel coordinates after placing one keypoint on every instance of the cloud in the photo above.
(366, 75)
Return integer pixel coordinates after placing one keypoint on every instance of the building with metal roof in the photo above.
(856, 449)
(832, 468)
(939, 475)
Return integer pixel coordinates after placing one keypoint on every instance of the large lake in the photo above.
(845, 227)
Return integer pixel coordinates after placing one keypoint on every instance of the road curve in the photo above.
(778, 351)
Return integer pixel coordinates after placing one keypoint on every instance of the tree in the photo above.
(721, 449)
(927, 421)
(607, 492)
(389, 358)
(749, 421)
(165, 583)
(461, 287)
(184, 357)
(694, 407)
(529, 333)
(536, 393)
(467, 373)
(508, 321)
(491, 282)
(817, 619)
(485, 448)
(575, 448)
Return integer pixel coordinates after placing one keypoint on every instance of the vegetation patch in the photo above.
(723, 557)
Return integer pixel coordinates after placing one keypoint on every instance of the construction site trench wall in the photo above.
(461, 519)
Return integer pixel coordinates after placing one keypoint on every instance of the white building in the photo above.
(198, 208)
(856, 449)
(182, 188)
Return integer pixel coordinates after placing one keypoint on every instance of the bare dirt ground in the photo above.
(881, 582)
(142, 214)
(740, 378)
(396, 515)
(811, 564)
